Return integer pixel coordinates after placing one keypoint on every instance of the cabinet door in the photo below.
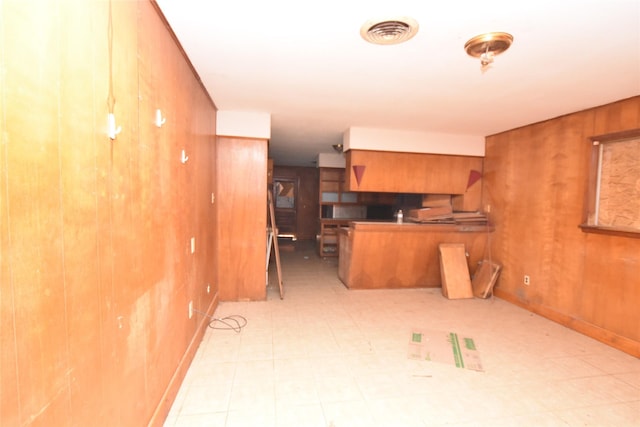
(394, 172)
(333, 189)
(331, 181)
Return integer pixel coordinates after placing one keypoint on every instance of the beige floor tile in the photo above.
(329, 356)
(374, 387)
(297, 391)
(261, 350)
(289, 415)
(542, 419)
(293, 368)
(611, 362)
(631, 378)
(203, 399)
(582, 392)
(253, 396)
(333, 366)
(559, 368)
(210, 419)
(251, 418)
(252, 371)
(619, 415)
(606, 389)
(338, 389)
(288, 349)
(348, 414)
(210, 372)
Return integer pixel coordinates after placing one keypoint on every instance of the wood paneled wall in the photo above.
(535, 180)
(96, 271)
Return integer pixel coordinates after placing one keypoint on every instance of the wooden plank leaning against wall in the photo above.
(96, 269)
(535, 181)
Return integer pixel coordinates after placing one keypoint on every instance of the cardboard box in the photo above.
(451, 348)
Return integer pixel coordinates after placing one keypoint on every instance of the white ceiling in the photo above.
(305, 63)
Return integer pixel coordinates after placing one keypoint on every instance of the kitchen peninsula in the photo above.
(377, 255)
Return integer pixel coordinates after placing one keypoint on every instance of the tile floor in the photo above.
(328, 357)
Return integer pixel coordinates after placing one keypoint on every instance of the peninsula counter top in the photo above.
(385, 254)
(415, 227)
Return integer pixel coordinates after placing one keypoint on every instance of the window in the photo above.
(614, 185)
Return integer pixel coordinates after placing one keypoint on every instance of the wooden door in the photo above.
(285, 196)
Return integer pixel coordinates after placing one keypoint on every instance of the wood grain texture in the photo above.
(242, 217)
(535, 179)
(454, 271)
(388, 255)
(96, 272)
(409, 172)
(34, 215)
(307, 203)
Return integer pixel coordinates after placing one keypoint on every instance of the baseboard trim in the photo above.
(170, 393)
(607, 337)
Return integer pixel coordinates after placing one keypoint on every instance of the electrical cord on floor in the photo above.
(235, 322)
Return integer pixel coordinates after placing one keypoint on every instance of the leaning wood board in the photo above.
(276, 248)
(454, 271)
(484, 279)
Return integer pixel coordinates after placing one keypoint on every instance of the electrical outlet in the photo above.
(193, 245)
(190, 309)
(488, 208)
(208, 288)
(527, 280)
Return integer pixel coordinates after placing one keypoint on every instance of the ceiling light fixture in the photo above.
(337, 148)
(389, 31)
(487, 46)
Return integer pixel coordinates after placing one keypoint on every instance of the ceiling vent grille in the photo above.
(389, 31)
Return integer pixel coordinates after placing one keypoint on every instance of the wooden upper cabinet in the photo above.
(333, 189)
(395, 172)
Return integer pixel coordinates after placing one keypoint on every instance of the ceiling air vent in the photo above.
(389, 31)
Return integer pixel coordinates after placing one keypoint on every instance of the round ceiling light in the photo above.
(389, 31)
(488, 44)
